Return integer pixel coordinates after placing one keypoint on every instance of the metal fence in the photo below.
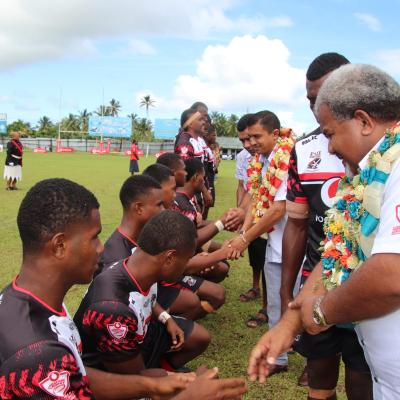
(230, 146)
(88, 144)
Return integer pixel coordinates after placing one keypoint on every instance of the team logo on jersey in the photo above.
(56, 383)
(316, 160)
(189, 280)
(328, 191)
(184, 150)
(117, 330)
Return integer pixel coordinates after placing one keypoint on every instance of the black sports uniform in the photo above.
(314, 175)
(185, 205)
(188, 147)
(14, 153)
(115, 320)
(40, 350)
(120, 246)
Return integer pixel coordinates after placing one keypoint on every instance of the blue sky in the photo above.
(235, 55)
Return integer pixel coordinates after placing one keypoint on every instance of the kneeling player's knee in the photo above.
(223, 269)
(219, 297)
(200, 338)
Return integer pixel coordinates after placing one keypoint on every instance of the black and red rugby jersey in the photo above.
(185, 206)
(187, 146)
(40, 350)
(117, 247)
(314, 175)
(114, 316)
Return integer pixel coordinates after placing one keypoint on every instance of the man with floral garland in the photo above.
(314, 175)
(357, 104)
(268, 173)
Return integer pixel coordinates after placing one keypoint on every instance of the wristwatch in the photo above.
(318, 315)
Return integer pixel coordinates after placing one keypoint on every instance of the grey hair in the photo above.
(360, 87)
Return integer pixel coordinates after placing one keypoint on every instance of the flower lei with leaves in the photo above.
(264, 188)
(351, 224)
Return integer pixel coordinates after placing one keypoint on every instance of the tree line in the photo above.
(77, 125)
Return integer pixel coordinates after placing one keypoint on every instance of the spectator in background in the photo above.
(13, 165)
(134, 165)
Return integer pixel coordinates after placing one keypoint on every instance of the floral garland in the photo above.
(264, 188)
(351, 224)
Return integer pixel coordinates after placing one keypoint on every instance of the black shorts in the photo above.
(133, 166)
(158, 342)
(330, 342)
(257, 250)
(166, 295)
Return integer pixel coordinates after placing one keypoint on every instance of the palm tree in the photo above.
(84, 120)
(20, 126)
(70, 124)
(133, 118)
(103, 110)
(44, 123)
(147, 102)
(220, 122)
(115, 107)
(231, 125)
(143, 129)
(46, 127)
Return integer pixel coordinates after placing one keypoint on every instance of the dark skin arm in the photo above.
(280, 338)
(294, 243)
(374, 290)
(246, 201)
(110, 386)
(268, 220)
(206, 387)
(203, 260)
(205, 233)
(240, 192)
(134, 366)
(371, 292)
(176, 333)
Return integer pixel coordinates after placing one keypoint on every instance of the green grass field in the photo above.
(103, 175)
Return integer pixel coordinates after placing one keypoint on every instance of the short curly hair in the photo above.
(50, 207)
(170, 160)
(159, 172)
(135, 187)
(324, 64)
(168, 230)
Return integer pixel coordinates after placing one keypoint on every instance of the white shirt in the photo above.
(274, 245)
(242, 163)
(380, 337)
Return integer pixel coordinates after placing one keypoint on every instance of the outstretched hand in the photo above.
(234, 218)
(207, 387)
(239, 245)
(168, 386)
(276, 341)
(231, 253)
